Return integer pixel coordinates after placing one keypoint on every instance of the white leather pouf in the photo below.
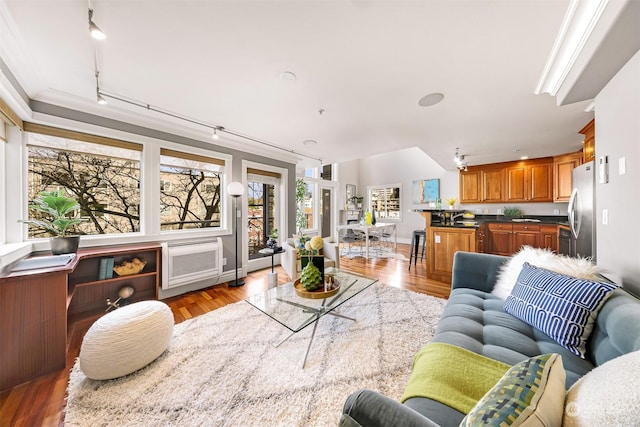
(125, 340)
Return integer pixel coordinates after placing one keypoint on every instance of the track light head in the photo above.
(100, 98)
(215, 132)
(94, 30)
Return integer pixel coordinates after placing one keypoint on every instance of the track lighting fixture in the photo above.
(94, 30)
(215, 132)
(99, 96)
(459, 159)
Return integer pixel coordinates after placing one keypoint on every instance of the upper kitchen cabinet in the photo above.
(589, 145)
(530, 181)
(562, 170)
(480, 185)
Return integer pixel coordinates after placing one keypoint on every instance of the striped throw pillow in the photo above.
(563, 307)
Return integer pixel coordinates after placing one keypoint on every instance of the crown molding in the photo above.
(595, 39)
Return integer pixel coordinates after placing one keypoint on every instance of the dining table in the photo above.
(367, 230)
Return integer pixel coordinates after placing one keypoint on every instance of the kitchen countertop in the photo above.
(482, 219)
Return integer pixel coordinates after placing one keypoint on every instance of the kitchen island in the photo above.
(449, 231)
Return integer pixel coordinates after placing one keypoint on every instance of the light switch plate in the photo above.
(437, 239)
(605, 216)
(622, 166)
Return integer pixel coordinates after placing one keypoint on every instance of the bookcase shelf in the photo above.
(38, 307)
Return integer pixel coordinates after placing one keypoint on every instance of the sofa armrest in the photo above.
(331, 250)
(289, 259)
(476, 270)
(368, 408)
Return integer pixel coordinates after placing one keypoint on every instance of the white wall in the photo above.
(347, 174)
(618, 136)
(405, 166)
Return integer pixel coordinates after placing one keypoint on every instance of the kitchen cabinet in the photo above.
(507, 238)
(549, 237)
(481, 185)
(589, 144)
(530, 181)
(480, 238)
(562, 175)
(499, 237)
(442, 244)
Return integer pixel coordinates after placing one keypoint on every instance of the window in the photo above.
(386, 202)
(308, 206)
(189, 190)
(262, 190)
(97, 171)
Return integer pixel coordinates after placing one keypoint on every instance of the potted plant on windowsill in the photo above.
(56, 209)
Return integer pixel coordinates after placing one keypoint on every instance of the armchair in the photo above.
(291, 263)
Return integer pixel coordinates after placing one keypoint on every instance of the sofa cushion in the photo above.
(476, 320)
(531, 393)
(561, 306)
(581, 268)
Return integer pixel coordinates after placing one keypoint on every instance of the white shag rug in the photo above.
(223, 369)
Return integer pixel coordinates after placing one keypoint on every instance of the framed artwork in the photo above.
(424, 191)
(351, 192)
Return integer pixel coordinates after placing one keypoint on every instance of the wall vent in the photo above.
(184, 263)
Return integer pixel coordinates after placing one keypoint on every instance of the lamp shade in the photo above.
(236, 189)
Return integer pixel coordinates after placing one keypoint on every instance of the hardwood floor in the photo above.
(41, 402)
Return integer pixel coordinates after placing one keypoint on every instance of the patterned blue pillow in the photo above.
(562, 307)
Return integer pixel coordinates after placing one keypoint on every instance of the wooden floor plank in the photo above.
(41, 402)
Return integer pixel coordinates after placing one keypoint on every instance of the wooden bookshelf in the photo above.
(37, 307)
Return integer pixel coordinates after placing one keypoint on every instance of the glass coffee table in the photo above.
(284, 305)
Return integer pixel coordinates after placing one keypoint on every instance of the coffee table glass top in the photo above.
(284, 305)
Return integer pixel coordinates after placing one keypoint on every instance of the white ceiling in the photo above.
(365, 63)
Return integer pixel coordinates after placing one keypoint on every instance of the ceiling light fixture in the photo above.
(99, 96)
(215, 132)
(288, 76)
(94, 30)
(459, 159)
(431, 99)
(309, 142)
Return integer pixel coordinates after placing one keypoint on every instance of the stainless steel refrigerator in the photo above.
(582, 212)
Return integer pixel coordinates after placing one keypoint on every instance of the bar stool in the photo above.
(415, 243)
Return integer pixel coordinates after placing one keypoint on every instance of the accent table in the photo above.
(272, 278)
(294, 312)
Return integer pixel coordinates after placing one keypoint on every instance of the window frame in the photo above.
(369, 205)
(149, 189)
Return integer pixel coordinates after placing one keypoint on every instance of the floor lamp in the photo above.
(236, 189)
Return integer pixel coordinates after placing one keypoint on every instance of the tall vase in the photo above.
(373, 217)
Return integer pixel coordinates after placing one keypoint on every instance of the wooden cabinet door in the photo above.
(529, 183)
(516, 183)
(549, 237)
(443, 244)
(524, 234)
(499, 238)
(492, 181)
(540, 183)
(470, 187)
(589, 145)
(562, 175)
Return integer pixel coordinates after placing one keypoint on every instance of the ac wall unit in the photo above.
(184, 263)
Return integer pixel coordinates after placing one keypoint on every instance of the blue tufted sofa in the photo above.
(474, 319)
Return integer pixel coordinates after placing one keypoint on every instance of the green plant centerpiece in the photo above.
(56, 217)
(513, 212)
(311, 278)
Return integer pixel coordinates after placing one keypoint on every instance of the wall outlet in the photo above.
(605, 216)
(499, 211)
(224, 261)
(437, 239)
(478, 211)
(556, 211)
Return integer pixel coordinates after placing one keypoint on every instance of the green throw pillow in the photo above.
(531, 393)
